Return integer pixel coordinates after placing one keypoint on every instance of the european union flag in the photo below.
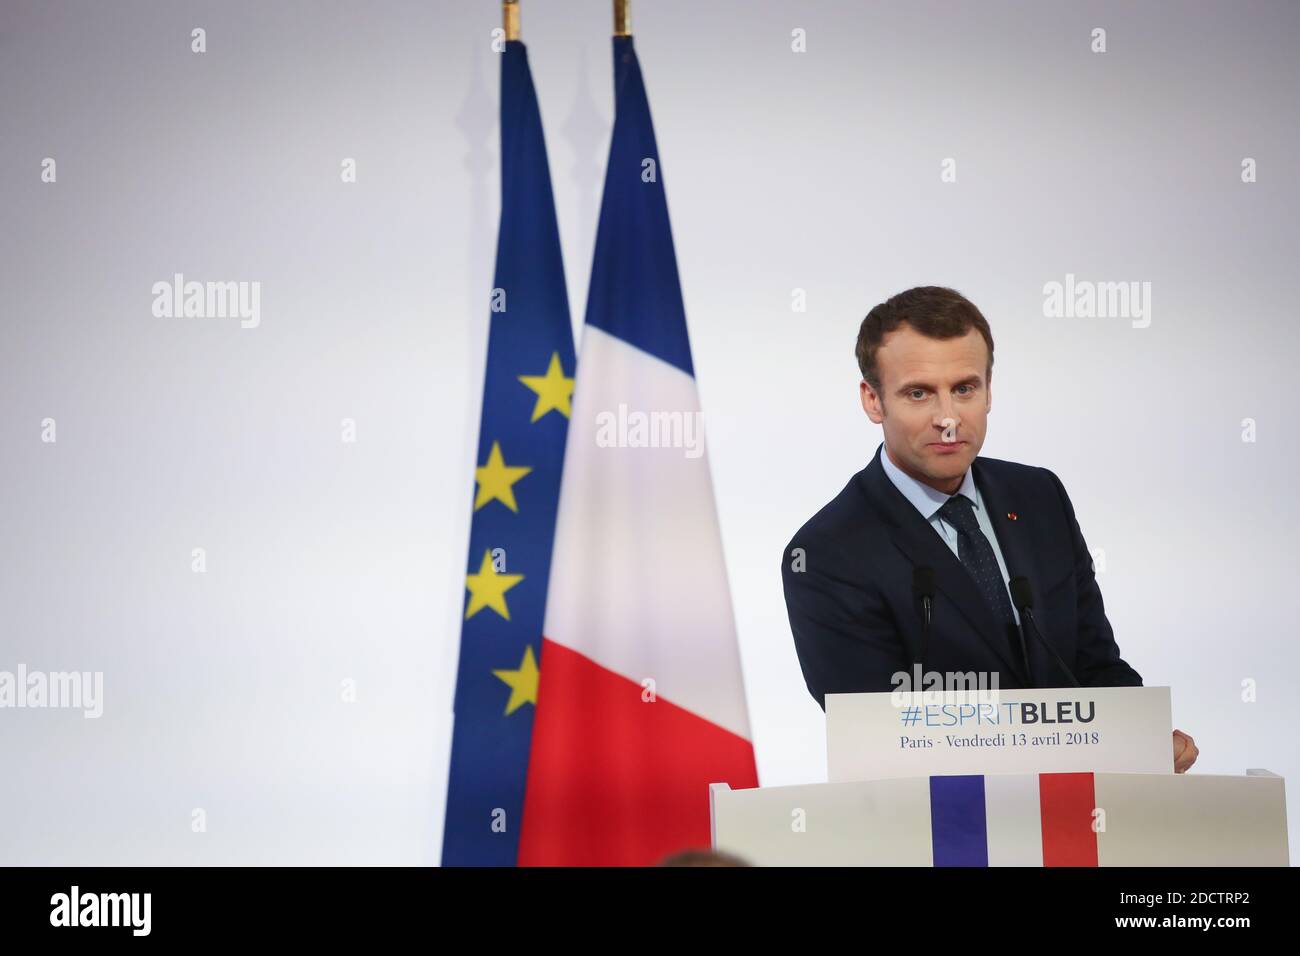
(528, 385)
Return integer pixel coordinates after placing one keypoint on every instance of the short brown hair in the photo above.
(699, 857)
(932, 310)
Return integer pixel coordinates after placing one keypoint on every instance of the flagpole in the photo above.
(510, 18)
(622, 18)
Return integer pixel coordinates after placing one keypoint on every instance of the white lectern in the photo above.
(1044, 806)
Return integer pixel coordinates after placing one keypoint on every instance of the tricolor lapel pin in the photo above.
(1011, 515)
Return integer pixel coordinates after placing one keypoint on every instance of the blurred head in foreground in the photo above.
(702, 858)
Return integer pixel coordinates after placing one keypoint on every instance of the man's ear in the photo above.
(871, 403)
(988, 396)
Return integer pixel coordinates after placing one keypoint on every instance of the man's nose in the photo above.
(946, 414)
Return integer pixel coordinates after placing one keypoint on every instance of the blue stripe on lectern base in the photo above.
(957, 827)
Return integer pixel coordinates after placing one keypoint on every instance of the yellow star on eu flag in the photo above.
(496, 480)
(523, 682)
(488, 589)
(553, 389)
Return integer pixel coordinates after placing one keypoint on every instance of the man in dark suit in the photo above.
(970, 525)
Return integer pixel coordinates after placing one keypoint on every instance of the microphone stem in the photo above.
(1029, 616)
(925, 628)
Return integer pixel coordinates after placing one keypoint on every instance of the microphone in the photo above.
(923, 591)
(1023, 596)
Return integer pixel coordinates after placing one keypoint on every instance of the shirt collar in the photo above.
(925, 499)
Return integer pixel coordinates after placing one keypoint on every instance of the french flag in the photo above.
(641, 703)
(1013, 820)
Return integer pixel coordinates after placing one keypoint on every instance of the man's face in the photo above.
(933, 402)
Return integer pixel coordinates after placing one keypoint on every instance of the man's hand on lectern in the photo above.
(1185, 752)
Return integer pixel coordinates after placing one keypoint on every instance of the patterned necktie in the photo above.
(977, 555)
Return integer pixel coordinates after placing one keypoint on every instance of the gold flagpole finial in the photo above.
(510, 18)
(622, 18)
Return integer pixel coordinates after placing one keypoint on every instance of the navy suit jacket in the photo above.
(848, 589)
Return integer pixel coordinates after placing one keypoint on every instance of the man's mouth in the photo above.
(946, 448)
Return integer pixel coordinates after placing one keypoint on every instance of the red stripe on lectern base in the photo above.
(1067, 801)
(614, 780)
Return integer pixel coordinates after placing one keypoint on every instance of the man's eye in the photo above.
(968, 389)
(917, 393)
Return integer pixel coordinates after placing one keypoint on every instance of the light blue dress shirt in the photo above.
(928, 501)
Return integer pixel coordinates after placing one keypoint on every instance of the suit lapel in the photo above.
(1014, 538)
(917, 539)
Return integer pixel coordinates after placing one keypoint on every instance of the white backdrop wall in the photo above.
(330, 561)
